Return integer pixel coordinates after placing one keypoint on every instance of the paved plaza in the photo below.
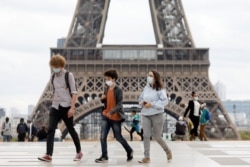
(185, 154)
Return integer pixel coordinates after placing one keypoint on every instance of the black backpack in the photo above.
(181, 128)
(21, 128)
(66, 81)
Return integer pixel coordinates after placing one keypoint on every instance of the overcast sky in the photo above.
(28, 28)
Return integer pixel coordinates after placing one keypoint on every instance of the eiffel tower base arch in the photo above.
(183, 67)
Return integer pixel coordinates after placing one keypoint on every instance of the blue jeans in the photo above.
(6, 138)
(106, 124)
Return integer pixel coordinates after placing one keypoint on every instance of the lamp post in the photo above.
(235, 115)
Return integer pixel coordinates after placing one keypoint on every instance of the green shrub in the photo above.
(245, 135)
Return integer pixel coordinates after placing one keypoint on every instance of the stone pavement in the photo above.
(185, 154)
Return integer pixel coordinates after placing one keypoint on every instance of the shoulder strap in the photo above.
(52, 79)
(52, 82)
(67, 79)
(67, 82)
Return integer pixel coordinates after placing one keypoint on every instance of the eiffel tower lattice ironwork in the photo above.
(183, 67)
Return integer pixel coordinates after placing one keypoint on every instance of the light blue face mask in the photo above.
(56, 70)
(150, 80)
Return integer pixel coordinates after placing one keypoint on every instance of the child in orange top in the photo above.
(113, 116)
(110, 105)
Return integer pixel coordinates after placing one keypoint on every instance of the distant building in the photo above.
(60, 42)
(2, 112)
(30, 109)
(238, 106)
(14, 112)
(239, 112)
(239, 119)
(220, 88)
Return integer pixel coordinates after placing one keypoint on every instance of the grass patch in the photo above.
(245, 135)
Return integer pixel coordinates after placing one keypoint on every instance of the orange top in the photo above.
(111, 104)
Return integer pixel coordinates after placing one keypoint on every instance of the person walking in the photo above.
(193, 109)
(135, 125)
(58, 135)
(63, 106)
(181, 129)
(204, 119)
(6, 130)
(153, 99)
(42, 134)
(112, 116)
(21, 130)
(32, 131)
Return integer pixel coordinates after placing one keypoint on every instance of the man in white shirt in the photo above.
(6, 129)
(32, 131)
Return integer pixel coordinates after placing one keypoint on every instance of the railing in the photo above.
(173, 55)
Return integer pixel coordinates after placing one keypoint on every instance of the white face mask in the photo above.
(109, 83)
(56, 70)
(196, 98)
(150, 80)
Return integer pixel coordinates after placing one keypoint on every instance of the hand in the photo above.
(147, 105)
(103, 96)
(108, 115)
(71, 112)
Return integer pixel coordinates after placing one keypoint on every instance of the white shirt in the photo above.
(196, 108)
(7, 128)
(30, 134)
(61, 92)
(58, 133)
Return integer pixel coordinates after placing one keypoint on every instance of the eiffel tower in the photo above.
(183, 67)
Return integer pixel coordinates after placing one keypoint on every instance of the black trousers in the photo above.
(195, 120)
(54, 117)
(132, 131)
(21, 137)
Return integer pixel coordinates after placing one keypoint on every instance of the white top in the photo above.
(58, 133)
(30, 134)
(61, 92)
(196, 108)
(7, 128)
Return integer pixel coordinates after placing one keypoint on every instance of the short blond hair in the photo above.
(57, 61)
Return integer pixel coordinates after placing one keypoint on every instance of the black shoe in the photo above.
(130, 155)
(102, 160)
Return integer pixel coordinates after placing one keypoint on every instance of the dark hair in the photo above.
(21, 120)
(193, 93)
(133, 111)
(111, 73)
(7, 119)
(158, 83)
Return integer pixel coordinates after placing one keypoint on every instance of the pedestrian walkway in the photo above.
(185, 154)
